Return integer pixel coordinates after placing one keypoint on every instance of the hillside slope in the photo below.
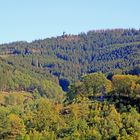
(70, 56)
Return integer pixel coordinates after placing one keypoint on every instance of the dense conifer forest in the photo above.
(71, 87)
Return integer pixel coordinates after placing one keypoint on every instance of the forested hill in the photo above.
(95, 106)
(71, 56)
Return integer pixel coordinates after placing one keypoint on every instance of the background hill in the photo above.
(68, 57)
